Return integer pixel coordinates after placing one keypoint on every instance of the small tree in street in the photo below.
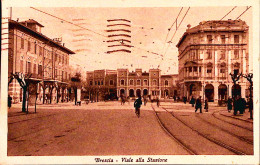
(24, 83)
(235, 78)
(249, 78)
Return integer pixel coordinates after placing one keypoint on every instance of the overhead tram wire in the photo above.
(174, 35)
(173, 24)
(243, 12)
(81, 26)
(228, 13)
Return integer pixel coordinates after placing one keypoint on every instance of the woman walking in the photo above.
(206, 107)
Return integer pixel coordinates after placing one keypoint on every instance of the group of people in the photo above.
(238, 104)
(198, 104)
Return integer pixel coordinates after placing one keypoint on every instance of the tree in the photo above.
(24, 82)
(249, 78)
(235, 78)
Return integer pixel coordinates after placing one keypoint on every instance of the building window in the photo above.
(56, 73)
(28, 67)
(209, 39)
(131, 82)
(236, 71)
(22, 43)
(29, 46)
(195, 69)
(223, 39)
(222, 70)
(40, 50)
(56, 56)
(34, 68)
(223, 55)
(236, 39)
(21, 66)
(209, 53)
(190, 69)
(98, 82)
(145, 82)
(138, 82)
(122, 82)
(236, 54)
(111, 82)
(101, 82)
(35, 48)
(95, 82)
(166, 83)
(154, 82)
(90, 83)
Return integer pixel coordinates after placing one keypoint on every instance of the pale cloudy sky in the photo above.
(149, 28)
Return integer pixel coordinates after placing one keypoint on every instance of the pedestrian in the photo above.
(235, 105)
(9, 101)
(137, 105)
(229, 104)
(174, 98)
(198, 104)
(184, 99)
(250, 106)
(206, 107)
(192, 101)
(243, 105)
(158, 101)
(145, 100)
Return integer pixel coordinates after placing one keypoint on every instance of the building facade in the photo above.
(44, 61)
(208, 53)
(131, 84)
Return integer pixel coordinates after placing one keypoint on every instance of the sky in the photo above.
(149, 28)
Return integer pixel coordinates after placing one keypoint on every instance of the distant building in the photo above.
(131, 84)
(47, 61)
(208, 53)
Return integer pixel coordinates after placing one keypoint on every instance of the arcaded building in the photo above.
(208, 53)
(43, 61)
(115, 83)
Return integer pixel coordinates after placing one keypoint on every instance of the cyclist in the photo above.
(137, 105)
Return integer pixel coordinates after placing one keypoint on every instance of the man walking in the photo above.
(137, 105)
(198, 104)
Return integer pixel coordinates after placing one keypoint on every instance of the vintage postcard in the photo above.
(129, 82)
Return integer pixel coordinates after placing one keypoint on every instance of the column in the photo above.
(243, 91)
(244, 61)
(215, 92)
(216, 65)
(230, 90)
(229, 65)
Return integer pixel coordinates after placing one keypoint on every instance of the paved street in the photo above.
(108, 128)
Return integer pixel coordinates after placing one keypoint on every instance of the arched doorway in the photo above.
(122, 92)
(138, 92)
(131, 93)
(145, 92)
(222, 92)
(209, 92)
(236, 90)
(166, 92)
(192, 89)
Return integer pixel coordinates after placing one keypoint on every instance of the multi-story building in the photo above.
(101, 84)
(45, 60)
(132, 84)
(208, 53)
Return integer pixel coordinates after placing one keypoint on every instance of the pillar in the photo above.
(215, 92)
(243, 91)
(230, 90)
(216, 65)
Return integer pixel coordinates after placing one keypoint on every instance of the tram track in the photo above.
(227, 131)
(218, 142)
(233, 118)
(180, 142)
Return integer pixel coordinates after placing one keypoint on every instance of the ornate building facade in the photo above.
(131, 84)
(45, 60)
(208, 53)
